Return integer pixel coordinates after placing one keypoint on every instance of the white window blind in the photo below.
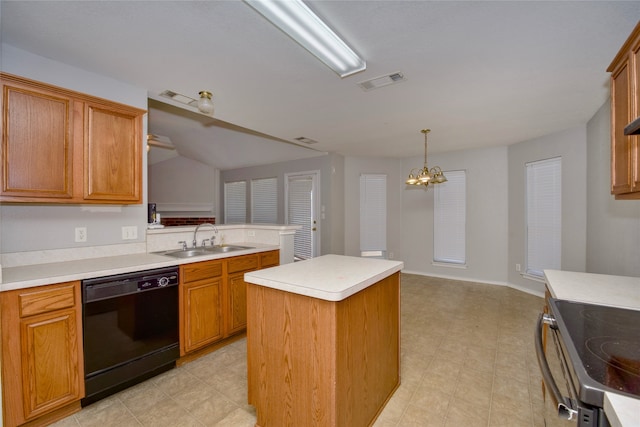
(544, 215)
(373, 212)
(235, 202)
(300, 190)
(449, 219)
(264, 201)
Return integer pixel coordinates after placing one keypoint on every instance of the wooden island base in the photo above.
(313, 362)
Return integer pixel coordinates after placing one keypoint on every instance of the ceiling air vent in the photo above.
(382, 81)
(180, 98)
(305, 140)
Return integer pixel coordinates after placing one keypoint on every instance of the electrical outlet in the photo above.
(81, 234)
(518, 267)
(129, 232)
(251, 233)
(390, 255)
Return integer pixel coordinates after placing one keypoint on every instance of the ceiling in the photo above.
(478, 73)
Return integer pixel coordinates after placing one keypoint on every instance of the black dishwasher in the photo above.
(130, 329)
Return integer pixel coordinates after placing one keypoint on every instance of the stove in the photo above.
(583, 351)
(603, 345)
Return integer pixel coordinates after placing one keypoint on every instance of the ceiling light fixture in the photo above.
(160, 142)
(426, 176)
(299, 22)
(205, 105)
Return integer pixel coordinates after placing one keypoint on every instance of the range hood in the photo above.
(633, 128)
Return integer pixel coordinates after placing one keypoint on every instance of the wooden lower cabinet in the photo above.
(213, 298)
(236, 303)
(42, 360)
(201, 321)
(236, 295)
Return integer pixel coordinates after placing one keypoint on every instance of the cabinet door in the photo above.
(236, 303)
(113, 143)
(635, 149)
(37, 142)
(202, 312)
(269, 259)
(50, 363)
(42, 361)
(620, 116)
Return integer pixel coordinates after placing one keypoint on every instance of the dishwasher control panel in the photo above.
(158, 281)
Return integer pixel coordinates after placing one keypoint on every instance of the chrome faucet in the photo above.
(195, 232)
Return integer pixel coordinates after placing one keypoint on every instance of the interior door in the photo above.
(302, 207)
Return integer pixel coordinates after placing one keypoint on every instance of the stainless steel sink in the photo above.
(209, 250)
(186, 253)
(227, 248)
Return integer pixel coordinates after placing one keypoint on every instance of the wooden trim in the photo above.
(626, 47)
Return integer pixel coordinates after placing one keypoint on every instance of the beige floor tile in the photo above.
(167, 414)
(67, 422)
(214, 409)
(420, 416)
(429, 401)
(464, 413)
(238, 418)
(109, 412)
(139, 398)
(466, 360)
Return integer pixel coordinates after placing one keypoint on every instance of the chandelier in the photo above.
(426, 176)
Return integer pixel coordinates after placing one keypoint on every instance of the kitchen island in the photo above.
(323, 341)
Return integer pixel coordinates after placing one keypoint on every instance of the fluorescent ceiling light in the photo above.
(301, 24)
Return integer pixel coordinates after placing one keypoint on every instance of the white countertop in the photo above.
(622, 411)
(58, 272)
(615, 291)
(602, 289)
(328, 277)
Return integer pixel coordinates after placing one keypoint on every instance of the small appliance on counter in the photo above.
(153, 217)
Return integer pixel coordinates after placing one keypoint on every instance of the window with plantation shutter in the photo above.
(299, 194)
(373, 213)
(544, 215)
(264, 201)
(450, 219)
(235, 202)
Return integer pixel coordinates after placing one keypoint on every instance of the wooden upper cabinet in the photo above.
(37, 143)
(60, 146)
(625, 107)
(113, 158)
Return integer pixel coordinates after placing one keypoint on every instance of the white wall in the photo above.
(33, 227)
(571, 145)
(613, 226)
(183, 185)
(487, 216)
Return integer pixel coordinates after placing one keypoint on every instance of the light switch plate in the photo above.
(129, 232)
(81, 234)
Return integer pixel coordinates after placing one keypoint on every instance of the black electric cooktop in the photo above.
(606, 340)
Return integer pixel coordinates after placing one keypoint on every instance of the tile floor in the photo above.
(467, 360)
